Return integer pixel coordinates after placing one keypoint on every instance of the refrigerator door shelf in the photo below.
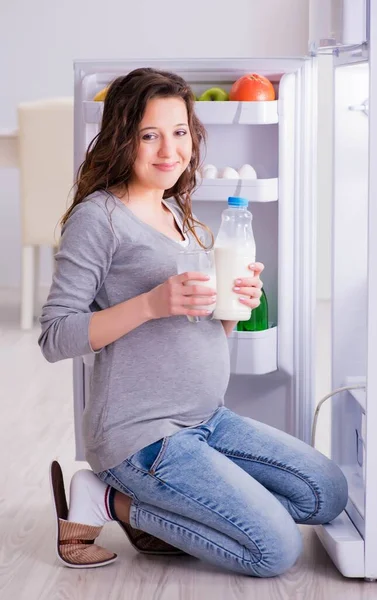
(255, 190)
(253, 352)
(211, 113)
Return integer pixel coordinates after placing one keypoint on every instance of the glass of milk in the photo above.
(202, 261)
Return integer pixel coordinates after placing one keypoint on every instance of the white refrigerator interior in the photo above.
(272, 372)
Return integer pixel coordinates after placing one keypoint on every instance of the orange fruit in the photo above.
(252, 87)
(101, 95)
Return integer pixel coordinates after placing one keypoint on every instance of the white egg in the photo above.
(208, 166)
(209, 172)
(247, 172)
(229, 173)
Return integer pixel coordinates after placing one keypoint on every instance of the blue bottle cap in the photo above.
(236, 201)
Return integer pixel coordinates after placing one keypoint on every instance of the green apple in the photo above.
(214, 94)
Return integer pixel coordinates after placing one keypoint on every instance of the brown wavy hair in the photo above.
(111, 154)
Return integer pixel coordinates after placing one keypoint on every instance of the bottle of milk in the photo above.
(234, 251)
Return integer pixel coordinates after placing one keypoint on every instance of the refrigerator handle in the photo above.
(364, 107)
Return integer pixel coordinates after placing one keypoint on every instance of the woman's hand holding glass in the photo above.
(177, 296)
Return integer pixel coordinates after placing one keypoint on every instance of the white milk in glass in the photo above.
(211, 283)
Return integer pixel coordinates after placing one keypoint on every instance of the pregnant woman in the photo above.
(178, 470)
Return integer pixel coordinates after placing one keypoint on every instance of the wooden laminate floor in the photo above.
(37, 426)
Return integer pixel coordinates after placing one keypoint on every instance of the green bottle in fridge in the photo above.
(259, 317)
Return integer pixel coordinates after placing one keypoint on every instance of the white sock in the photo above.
(88, 499)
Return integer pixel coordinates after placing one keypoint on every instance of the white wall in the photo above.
(42, 38)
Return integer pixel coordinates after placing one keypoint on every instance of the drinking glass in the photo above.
(202, 261)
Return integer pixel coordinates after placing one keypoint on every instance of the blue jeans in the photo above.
(230, 491)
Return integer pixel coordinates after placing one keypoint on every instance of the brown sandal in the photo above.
(75, 545)
(148, 544)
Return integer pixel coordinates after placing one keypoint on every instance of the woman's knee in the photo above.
(279, 551)
(332, 493)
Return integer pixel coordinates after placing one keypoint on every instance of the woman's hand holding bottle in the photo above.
(250, 289)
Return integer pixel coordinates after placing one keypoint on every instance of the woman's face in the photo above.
(165, 144)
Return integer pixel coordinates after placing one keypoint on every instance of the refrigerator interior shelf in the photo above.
(237, 113)
(253, 352)
(211, 113)
(255, 190)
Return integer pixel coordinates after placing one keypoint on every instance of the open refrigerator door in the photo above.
(343, 38)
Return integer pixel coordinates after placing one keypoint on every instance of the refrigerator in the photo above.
(273, 371)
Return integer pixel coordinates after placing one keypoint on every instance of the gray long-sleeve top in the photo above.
(165, 374)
